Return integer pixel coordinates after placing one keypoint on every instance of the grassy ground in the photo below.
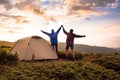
(89, 67)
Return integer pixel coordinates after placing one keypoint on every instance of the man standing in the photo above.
(53, 38)
(70, 41)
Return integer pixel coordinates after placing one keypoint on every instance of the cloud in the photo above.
(85, 6)
(0, 31)
(37, 11)
(8, 29)
(26, 5)
(108, 26)
(35, 8)
(7, 5)
(87, 18)
(21, 19)
(25, 21)
(98, 3)
(4, 26)
(17, 19)
(30, 6)
(59, 9)
(11, 32)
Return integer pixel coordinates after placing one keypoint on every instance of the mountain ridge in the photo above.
(90, 49)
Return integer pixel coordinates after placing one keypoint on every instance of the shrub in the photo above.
(110, 62)
(12, 57)
(78, 56)
(6, 58)
(3, 57)
(69, 70)
(5, 46)
(61, 55)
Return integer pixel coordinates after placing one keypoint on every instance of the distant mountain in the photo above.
(118, 49)
(90, 49)
(6, 43)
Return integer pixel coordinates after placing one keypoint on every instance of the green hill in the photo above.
(90, 49)
(5, 45)
(118, 49)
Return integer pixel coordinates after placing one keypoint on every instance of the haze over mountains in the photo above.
(78, 48)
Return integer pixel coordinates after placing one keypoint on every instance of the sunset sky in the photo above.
(99, 20)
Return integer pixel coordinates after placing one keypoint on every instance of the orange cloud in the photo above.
(4, 26)
(25, 21)
(11, 32)
(17, 19)
(20, 20)
(31, 8)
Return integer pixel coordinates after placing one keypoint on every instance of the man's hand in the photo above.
(84, 35)
(61, 25)
(41, 30)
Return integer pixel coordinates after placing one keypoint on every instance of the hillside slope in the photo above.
(6, 43)
(90, 49)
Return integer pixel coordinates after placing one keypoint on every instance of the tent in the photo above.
(33, 48)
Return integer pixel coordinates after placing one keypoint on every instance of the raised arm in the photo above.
(45, 32)
(64, 31)
(58, 30)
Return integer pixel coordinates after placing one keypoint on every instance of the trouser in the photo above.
(55, 46)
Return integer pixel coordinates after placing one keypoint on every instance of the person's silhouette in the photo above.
(53, 38)
(70, 41)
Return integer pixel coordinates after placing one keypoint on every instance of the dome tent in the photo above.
(33, 47)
